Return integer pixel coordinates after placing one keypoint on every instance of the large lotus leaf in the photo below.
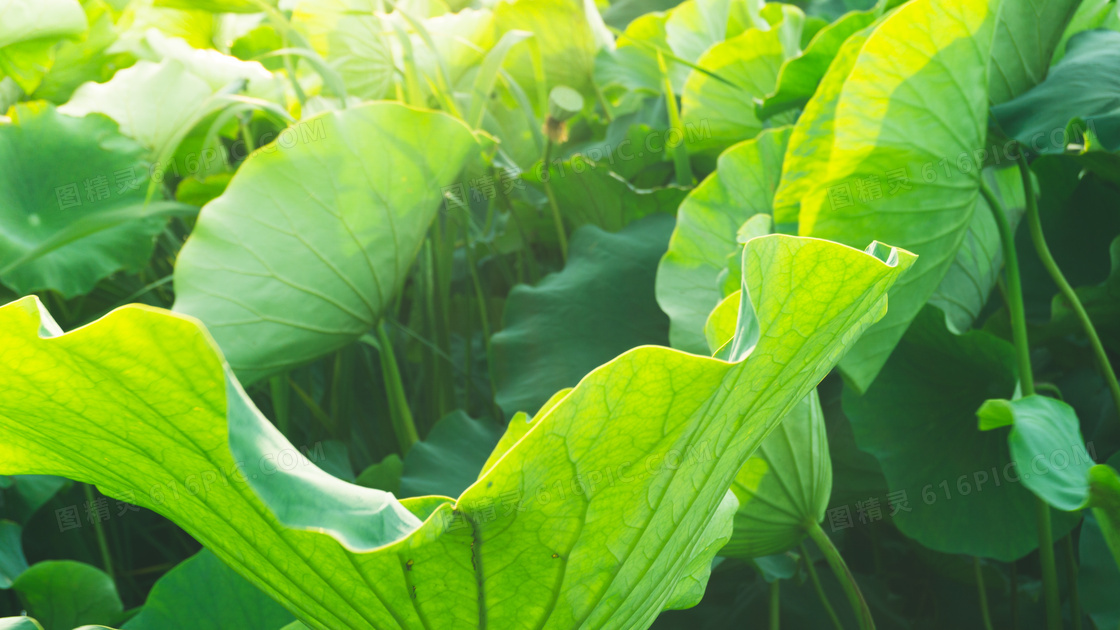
(590, 193)
(353, 39)
(201, 593)
(29, 29)
(63, 594)
(1026, 37)
(154, 103)
(975, 270)
(61, 173)
(1046, 446)
(12, 560)
(688, 277)
(911, 114)
(313, 239)
(600, 305)
(962, 491)
(799, 77)
(747, 66)
(141, 404)
(784, 487)
(564, 33)
(1076, 87)
(811, 141)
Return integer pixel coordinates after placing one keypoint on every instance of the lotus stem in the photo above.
(820, 591)
(1071, 583)
(775, 605)
(847, 580)
(1026, 379)
(99, 531)
(1034, 223)
(546, 179)
(400, 414)
(985, 615)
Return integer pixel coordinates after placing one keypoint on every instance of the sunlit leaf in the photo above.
(315, 235)
(682, 426)
(688, 278)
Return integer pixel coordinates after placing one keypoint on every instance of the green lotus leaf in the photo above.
(154, 103)
(975, 269)
(63, 594)
(1046, 446)
(1090, 14)
(449, 458)
(688, 277)
(810, 143)
(201, 593)
(564, 31)
(954, 489)
(85, 59)
(600, 305)
(799, 77)
(141, 404)
(1026, 37)
(694, 26)
(29, 29)
(747, 65)
(354, 39)
(71, 202)
(590, 193)
(315, 234)
(784, 487)
(1098, 576)
(895, 117)
(19, 623)
(1075, 87)
(685, 31)
(912, 159)
(1104, 498)
(25, 494)
(632, 65)
(12, 560)
(216, 69)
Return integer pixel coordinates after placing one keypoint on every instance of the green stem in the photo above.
(1014, 289)
(820, 591)
(99, 530)
(1071, 581)
(847, 580)
(400, 414)
(1048, 565)
(775, 605)
(680, 152)
(1026, 378)
(547, 180)
(281, 398)
(1034, 223)
(983, 594)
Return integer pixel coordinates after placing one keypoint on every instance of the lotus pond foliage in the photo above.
(557, 314)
